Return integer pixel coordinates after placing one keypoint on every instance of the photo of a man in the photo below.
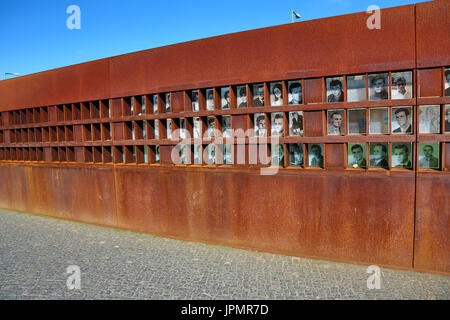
(258, 95)
(335, 122)
(211, 127)
(401, 85)
(447, 118)
(260, 125)
(197, 128)
(379, 155)
(379, 86)
(225, 98)
(296, 123)
(194, 98)
(167, 102)
(226, 126)
(296, 155)
(401, 154)
(209, 99)
(429, 155)
(156, 126)
(335, 91)
(277, 124)
(430, 119)
(315, 155)
(447, 82)
(401, 120)
(295, 92)
(155, 104)
(357, 156)
(241, 96)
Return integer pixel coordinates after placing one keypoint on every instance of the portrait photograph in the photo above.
(379, 121)
(335, 89)
(260, 125)
(402, 155)
(315, 155)
(241, 96)
(211, 127)
(209, 99)
(227, 155)
(379, 86)
(335, 122)
(156, 126)
(430, 119)
(258, 95)
(277, 152)
(155, 103)
(277, 124)
(357, 155)
(194, 99)
(447, 82)
(225, 97)
(211, 152)
(295, 92)
(226, 126)
(429, 155)
(356, 119)
(276, 94)
(402, 85)
(197, 127)
(167, 102)
(296, 123)
(402, 120)
(169, 129)
(379, 155)
(182, 128)
(157, 160)
(447, 118)
(197, 154)
(356, 88)
(296, 155)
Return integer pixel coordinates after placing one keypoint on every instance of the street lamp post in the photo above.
(12, 74)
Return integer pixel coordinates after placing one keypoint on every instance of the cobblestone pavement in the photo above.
(35, 253)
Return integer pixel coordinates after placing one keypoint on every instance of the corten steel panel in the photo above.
(82, 82)
(177, 101)
(71, 192)
(433, 41)
(313, 123)
(432, 243)
(313, 90)
(233, 207)
(335, 157)
(430, 82)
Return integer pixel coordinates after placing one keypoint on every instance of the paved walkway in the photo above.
(35, 253)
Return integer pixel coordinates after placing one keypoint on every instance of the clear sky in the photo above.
(34, 36)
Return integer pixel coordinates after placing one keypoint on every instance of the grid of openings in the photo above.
(371, 121)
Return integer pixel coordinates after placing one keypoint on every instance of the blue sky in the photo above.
(34, 36)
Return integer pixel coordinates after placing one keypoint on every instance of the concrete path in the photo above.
(35, 253)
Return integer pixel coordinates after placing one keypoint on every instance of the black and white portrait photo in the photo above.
(277, 151)
(429, 155)
(315, 155)
(260, 125)
(356, 119)
(227, 155)
(296, 123)
(295, 92)
(169, 128)
(447, 82)
(209, 99)
(402, 155)
(447, 118)
(211, 127)
(197, 154)
(226, 126)
(335, 122)
(197, 127)
(277, 124)
(211, 152)
(258, 95)
(241, 93)
(194, 98)
(402, 85)
(379, 86)
(356, 88)
(296, 155)
(402, 120)
(379, 121)
(276, 94)
(156, 127)
(335, 89)
(155, 103)
(182, 128)
(225, 97)
(379, 155)
(430, 119)
(167, 102)
(357, 155)
(157, 159)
